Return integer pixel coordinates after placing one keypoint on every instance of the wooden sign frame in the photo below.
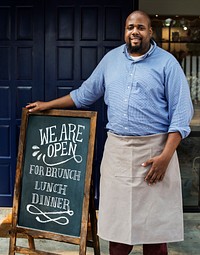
(88, 209)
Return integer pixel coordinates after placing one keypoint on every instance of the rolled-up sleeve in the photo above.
(179, 100)
(91, 89)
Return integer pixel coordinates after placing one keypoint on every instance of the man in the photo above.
(149, 111)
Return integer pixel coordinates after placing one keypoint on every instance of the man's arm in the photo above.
(59, 103)
(160, 163)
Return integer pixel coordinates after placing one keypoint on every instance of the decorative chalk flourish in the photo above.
(61, 220)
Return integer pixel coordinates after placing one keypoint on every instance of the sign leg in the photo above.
(12, 243)
(31, 242)
(93, 219)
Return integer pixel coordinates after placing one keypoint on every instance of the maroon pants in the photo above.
(148, 249)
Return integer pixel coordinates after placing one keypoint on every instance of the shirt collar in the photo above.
(148, 53)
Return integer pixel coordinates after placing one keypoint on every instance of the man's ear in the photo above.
(150, 31)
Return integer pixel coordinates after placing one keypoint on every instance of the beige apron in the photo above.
(131, 211)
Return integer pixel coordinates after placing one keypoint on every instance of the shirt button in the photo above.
(125, 100)
(128, 87)
(125, 128)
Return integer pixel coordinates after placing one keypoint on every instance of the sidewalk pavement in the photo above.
(191, 245)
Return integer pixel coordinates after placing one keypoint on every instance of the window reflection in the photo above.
(189, 158)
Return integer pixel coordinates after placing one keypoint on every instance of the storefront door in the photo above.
(48, 48)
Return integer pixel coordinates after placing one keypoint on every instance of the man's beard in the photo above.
(134, 49)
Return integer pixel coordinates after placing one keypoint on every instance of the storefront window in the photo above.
(180, 35)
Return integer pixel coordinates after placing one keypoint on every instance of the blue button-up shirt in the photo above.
(143, 97)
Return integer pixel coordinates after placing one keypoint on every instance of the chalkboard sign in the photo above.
(54, 172)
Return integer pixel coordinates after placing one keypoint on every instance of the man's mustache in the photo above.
(135, 37)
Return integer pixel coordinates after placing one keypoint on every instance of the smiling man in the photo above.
(138, 33)
(149, 111)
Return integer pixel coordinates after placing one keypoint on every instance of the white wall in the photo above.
(170, 7)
